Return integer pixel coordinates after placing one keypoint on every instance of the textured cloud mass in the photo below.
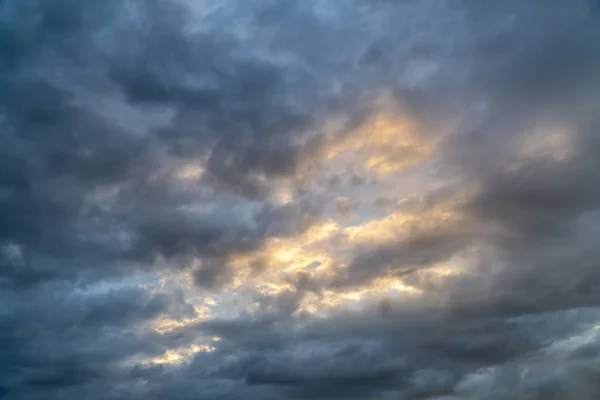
(273, 199)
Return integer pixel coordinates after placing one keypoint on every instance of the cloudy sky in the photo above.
(284, 199)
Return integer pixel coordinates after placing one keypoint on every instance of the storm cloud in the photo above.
(268, 199)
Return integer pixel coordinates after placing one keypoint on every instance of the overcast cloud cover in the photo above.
(277, 199)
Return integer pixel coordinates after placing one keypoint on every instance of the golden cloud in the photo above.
(387, 141)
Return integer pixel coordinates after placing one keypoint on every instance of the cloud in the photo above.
(275, 199)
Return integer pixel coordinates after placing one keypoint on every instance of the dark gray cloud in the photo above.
(103, 104)
(403, 257)
(79, 185)
(58, 337)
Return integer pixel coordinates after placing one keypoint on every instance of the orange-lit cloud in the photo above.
(388, 140)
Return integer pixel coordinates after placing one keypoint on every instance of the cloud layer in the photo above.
(267, 199)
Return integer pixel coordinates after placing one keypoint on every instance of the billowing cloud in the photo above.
(272, 199)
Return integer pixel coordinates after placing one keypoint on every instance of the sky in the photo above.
(278, 199)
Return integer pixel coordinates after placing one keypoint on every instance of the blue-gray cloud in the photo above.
(104, 103)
